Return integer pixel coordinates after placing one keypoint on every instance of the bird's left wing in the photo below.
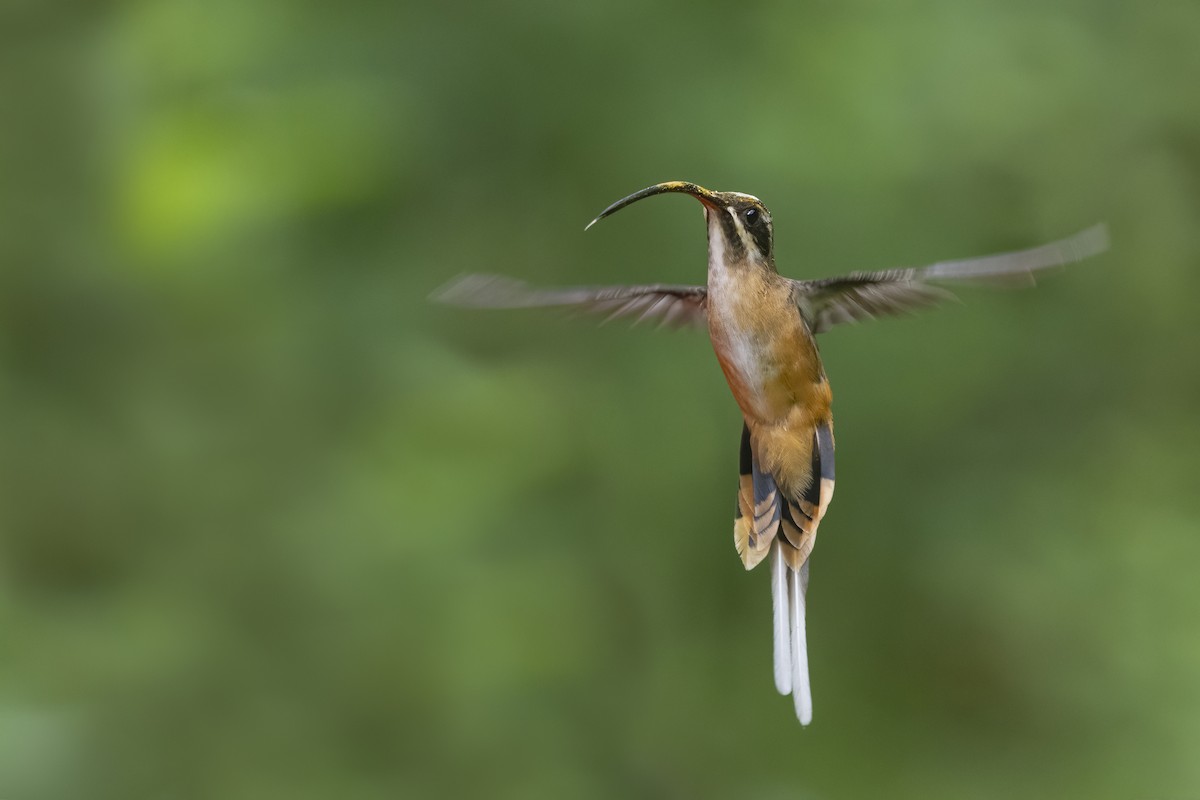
(863, 295)
(671, 306)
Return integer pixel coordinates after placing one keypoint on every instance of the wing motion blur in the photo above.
(864, 295)
(669, 306)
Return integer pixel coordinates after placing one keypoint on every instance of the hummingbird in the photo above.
(763, 328)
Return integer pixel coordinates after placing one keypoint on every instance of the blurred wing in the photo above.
(672, 306)
(863, 295)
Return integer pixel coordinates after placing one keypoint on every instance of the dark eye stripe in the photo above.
(761, 234)
(759, 231)
(754, 221)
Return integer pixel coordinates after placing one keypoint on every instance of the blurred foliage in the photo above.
(271, 525)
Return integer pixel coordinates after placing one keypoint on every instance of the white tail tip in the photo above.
(801, 689)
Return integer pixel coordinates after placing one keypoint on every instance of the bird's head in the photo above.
(739, 225)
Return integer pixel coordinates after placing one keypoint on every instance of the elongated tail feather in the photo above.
(783, 637)
(801, 686)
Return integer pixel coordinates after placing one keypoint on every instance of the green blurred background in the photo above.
(271, 525)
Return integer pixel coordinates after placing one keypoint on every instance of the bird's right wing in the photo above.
(863, 295)
(671, 306)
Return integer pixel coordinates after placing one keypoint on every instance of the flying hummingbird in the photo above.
(763, 328)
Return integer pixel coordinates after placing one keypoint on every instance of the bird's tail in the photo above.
(787, 529)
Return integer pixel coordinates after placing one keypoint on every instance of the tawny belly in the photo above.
(771, 373)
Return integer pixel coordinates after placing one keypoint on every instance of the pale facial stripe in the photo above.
(748, 243)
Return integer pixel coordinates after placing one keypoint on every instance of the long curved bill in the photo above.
(705, 196)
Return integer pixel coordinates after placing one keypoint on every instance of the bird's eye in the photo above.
(751, 216)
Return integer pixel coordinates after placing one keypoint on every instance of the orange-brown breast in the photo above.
(771, 363)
